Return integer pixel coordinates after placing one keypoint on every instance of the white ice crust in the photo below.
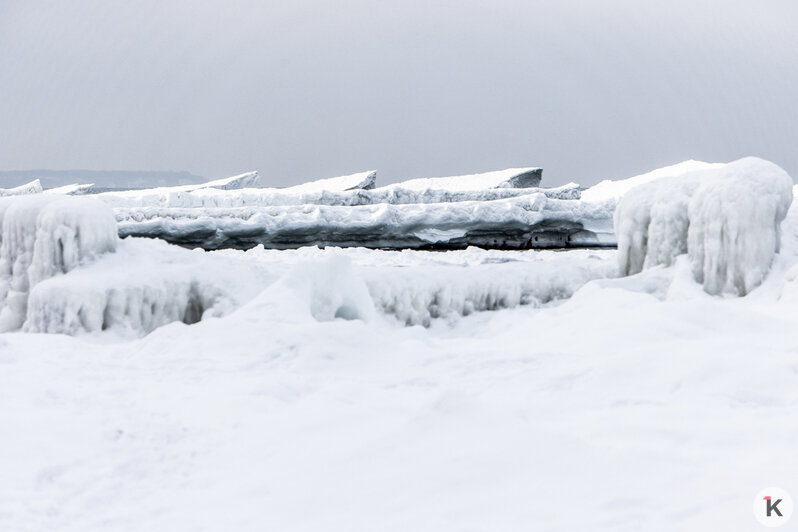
(727, 219)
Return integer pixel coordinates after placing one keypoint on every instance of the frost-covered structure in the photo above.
(502, 209)
(43, 236)
(726, 218)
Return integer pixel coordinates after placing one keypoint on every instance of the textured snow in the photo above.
(726, 218)
(175, 284)
(34, 187)
(509, 178)
(43, 236)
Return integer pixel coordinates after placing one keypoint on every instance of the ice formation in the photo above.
(34, 187)
(360, 181)
(144, 285)
(532, 220)
(226, 190)
(74, 189)
(726, 218)
(43, 236)
(509, 178)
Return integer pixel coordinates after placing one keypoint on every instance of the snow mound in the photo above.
(170, 284)
(419, 295)
(726, 218)
(34, 187)
(43, 236)
(509, 178)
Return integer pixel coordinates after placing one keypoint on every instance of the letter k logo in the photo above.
(772, 506)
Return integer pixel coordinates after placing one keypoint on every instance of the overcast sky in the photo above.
(307, 89)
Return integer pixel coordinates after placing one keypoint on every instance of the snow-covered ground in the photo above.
(354, 389)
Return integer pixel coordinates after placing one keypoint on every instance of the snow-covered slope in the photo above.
(483, 422)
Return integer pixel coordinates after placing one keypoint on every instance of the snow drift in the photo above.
(43, 236)
(144, 285)
(726, 218)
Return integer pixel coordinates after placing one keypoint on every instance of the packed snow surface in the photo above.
(306, 393)
(726, 218)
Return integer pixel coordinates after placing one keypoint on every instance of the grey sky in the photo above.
(307, 89)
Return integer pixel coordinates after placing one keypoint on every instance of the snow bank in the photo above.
(509, 178)
(417, 296)
(45, 235)
(144, 285)
(418, 287)
(726, 218)
(34, 187)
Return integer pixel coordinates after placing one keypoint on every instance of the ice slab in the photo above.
(43, 236)
(531, 220)
(34, 187)
(509, 178)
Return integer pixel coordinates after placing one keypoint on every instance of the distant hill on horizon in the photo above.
(111, 179)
